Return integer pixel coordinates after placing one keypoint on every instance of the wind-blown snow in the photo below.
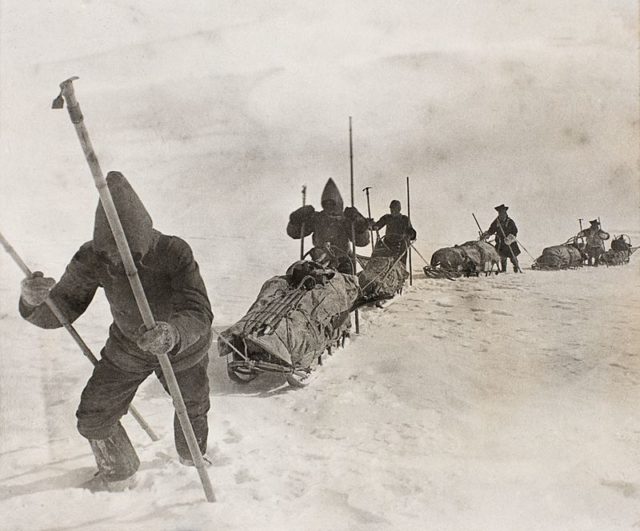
(492, 403)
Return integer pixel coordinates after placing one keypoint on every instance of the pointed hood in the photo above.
(135, 219)
(332, 193)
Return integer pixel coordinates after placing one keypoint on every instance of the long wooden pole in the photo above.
(304, 202)
(77, 119)
(62, 319)
(353, 227)
(409, 216)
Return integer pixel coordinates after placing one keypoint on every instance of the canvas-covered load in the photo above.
(470, 258)
(620, 252)
(294, 319)
(612, 257)
(563, 256)
(384, 274)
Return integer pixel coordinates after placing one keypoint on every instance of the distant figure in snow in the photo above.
(178, 300)
(595, 238)
(505, 231)
(331, 229)
(398, 233)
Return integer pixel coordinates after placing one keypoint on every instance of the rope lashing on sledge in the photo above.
(423, 258)
(268, 317)
(525, 249)
(266, 320)
(230, 345)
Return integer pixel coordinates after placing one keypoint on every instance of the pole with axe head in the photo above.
(67, 94)
(304, 202)
(366, 191)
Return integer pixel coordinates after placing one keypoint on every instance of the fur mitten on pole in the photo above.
(161, 339)
(35, 289)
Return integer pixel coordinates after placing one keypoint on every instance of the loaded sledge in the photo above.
(620, 252)
(295, 320)
(572, 254)
(384, 273)
(469, 259)
(568, 255)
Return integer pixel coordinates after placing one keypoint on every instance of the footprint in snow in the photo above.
(232, 437)
(243, 476)
(625, 488)
(501, 312)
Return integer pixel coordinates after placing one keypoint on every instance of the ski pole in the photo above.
(59, 315)
(304, 200)
(366, 191)
(409, 216)
(481, 232)
(353, 226)
(67, 93)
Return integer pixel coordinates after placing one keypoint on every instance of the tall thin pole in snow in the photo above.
(409, 246)
(302, 228)
(353, 227)
(120, 238)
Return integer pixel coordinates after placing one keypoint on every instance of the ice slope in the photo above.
(494, 403)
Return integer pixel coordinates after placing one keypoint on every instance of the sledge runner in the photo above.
(594, 242)
(177, 297)
(398, 231)
(505, 231)
(331, 229)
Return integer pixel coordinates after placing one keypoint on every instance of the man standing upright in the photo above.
(399, 233)
(178, 299)
(595, 238)
(505, 230)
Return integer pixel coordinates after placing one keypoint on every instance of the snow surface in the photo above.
(494, 403)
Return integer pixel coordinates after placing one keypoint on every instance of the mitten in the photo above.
(36, 288)
(159, 340)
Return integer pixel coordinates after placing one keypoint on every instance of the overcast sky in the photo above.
(230, 107)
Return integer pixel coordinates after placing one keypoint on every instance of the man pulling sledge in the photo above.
(505, 230)
(595, 238)
(398, 233)
(331, 229)
(178, 299)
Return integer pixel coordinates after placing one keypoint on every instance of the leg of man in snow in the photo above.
(194, 385)
(503, 264)
(105, 399)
